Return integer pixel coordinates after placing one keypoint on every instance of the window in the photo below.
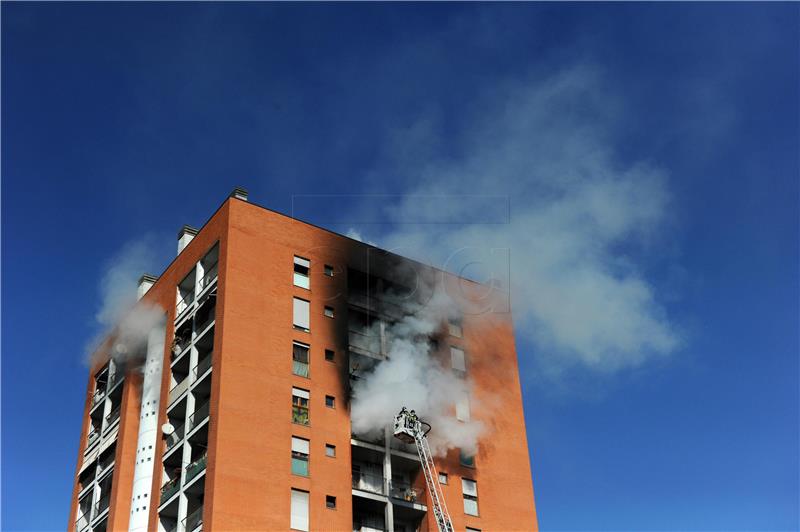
(462, 407)
(299, 456)
(469, 488)
(473, 529)
(442, 478)
(299, 510)
(329, 312)
(330, 450)
(466, 459)
(329, 355)
(300, 359)
(329, 270)
(330, 502)
(301, 269)
(330, 401)
(300, 406)
(458, 361)
(454, 328)
(301, 313)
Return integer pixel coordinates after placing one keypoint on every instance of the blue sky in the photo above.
(661, 138)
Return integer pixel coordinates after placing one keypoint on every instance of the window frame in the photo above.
(302, 404)
(302, 263)
(303, 312)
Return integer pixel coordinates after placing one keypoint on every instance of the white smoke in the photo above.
(583, 221)
(124, 320)
(411, 377)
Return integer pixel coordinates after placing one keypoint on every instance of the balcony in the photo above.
(365, 341)
(112, 417)
(405, 492)
(196, 467)
(184, 303)
(94, 437)
(200, 415)
(209, 277)
(170, 488)
(98, 396)
(115, 379)
(82, 524)
(177, 390)
(201, 367)
(194, 521)
(174, 438)
(101, 506)
(369, 482)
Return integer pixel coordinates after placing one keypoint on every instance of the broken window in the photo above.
(301, 270)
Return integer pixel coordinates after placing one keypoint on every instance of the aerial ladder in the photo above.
(410, 429)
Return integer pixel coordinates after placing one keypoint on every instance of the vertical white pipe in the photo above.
(142, 498)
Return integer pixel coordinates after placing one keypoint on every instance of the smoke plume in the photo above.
(124, 321)
(584, 223)
(413, 377)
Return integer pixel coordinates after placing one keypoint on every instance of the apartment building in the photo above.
(236, 415)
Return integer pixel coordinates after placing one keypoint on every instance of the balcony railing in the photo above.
(115, 378)
(92, 438)
(177, 390)
(209, 277)
(175, 437)
(101, 506)
(112, 417)
(184, 303)
(82, 523)
(196, 467)
(170, 488)
(369, 522)
(365, 341)
(193, 521)
(405, 492)
(368, 482)
(97, 397)
(200, 415)
(202, 366)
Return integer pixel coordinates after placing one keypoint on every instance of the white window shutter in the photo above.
(462, 408)
(298, 392)
(301, 313)
(299, 445)
(457, 359)
(299, 511)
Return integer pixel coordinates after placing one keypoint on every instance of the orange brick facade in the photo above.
(247, 480)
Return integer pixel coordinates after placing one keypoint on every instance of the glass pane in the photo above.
(299, 467)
